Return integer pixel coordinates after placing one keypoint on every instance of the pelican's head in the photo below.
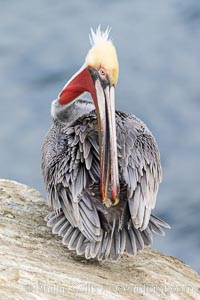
(98, 76)
(102, 56)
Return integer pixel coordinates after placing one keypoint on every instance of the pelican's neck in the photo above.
(69, 113)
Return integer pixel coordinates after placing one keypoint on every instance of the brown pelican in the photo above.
(101, 167)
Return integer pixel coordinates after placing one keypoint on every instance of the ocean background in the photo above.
(43, 43)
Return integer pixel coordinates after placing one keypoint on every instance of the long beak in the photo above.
(107, 142)
(104, 100)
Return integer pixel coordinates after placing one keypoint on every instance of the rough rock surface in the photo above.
(35, 265)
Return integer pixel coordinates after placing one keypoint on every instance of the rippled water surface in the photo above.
(42, 43)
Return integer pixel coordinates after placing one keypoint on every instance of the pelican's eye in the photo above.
(102, 73)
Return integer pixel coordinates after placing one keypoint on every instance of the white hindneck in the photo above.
(69, 113)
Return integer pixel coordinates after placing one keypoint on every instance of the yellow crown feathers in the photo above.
(103, 54)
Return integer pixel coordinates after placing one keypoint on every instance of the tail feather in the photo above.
(52, 218)
(109, 245)
(159, 222)
(81, 245)
(112, 244)
(87, 252)
(122, 241)
(74, 239)
(105, 243)
(100, 253)
(117, 242)
(147, 236)
(113, 250)
(131, 247)
(139, 240)
(68, 235)
(63, 228)
(59, 225)
(156, 229)
(94, 248)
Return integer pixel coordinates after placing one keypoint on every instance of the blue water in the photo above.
(42, 43)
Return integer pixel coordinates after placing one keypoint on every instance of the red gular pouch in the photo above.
(80, 83)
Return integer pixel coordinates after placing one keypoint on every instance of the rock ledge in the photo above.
(34, 265)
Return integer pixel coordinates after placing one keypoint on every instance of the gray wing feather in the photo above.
(140, 168)
(134, 202)
(146, 218)
(75, 167)
(91, 215)
(69, 207)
